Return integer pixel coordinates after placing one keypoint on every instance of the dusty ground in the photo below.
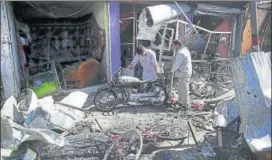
(129, 117)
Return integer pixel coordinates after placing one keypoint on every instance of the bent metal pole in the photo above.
(185, 16)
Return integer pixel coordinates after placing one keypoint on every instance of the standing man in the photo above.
(182, 68)
(148, 60)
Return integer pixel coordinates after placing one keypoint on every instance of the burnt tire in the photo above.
(167, 132)
(106, 95)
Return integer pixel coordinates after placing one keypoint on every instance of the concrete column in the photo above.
(10, 68)
(114, 37)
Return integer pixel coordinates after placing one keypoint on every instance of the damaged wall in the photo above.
(100, 12)
(114, 37)
(10, 69)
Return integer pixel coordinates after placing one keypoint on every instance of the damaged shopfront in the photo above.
(212, 32)
(54, 47)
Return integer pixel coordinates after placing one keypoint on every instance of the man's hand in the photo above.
(156, 68)
(130, 66)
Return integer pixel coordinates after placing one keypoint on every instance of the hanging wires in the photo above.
(44, 12)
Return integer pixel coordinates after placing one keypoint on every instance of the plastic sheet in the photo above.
(13, 134)
(10, 110)
(160, 13)
(145, 32)
(65, 117)
(155, 16)
(225, 113)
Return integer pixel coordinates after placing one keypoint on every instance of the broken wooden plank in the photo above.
(193, 131)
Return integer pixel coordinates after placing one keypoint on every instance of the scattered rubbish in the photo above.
(34, 114)
(10, 111)
(83, 145)
(81, 126)
(199, 105)
(29, 101)
(211, 90)
(30, 155)
(13, 134)
(40, 122)
(60, 116)
(5, 153)
(43, 79)
(193, 132)
(207, 151)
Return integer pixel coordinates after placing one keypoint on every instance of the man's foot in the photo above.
(173, 100)
(177, 105)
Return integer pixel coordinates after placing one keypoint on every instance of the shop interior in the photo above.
(61, 44)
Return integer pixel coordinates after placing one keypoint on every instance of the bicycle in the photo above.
(127, 146)
(156, 134)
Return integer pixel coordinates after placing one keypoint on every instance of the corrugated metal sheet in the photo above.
(252, 83)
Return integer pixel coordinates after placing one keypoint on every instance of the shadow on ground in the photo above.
(178, 154)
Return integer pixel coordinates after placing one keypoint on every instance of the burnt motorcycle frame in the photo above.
(123, 89)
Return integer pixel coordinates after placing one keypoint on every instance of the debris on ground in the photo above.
(38, 120)
(85, 139)
(50, 129)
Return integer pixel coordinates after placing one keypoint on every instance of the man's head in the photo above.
(140, 50)
(177, 44)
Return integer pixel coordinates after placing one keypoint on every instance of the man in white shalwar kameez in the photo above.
(148, 60)
(182, 68)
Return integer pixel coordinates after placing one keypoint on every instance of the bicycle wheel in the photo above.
(166, 132)
(118, 130)
(127, 147)
(105, 100)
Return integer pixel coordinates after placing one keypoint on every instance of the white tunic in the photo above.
(148, 62)
(182, 65)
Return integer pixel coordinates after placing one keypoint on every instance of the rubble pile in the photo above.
(211, 83)
(81, 146)
(84, 139)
